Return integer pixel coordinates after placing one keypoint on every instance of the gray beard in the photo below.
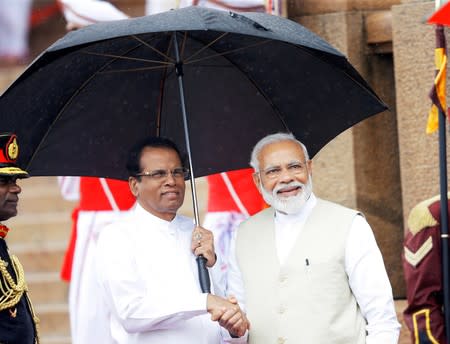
(289, 205)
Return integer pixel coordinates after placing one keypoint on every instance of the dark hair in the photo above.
(135, 153)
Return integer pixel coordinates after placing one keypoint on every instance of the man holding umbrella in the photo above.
(317, 260)
(146, 263)
(17, 319)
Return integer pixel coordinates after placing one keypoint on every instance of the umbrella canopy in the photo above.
(81, 105)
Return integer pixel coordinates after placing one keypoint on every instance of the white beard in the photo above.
(288, 205)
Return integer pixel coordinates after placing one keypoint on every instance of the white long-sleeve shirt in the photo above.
(149, 280)
(364, 266)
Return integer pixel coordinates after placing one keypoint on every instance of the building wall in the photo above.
(413, 43)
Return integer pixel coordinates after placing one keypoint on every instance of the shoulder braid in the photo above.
(11, 292)
(420, 216)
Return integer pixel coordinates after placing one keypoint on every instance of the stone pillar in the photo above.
(360, 168)
(308, 7)
(377, 171)
(414, 44)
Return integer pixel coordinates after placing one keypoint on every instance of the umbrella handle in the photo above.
(203, 275)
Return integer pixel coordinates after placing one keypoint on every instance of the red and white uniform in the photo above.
(14, 26)
(102, 201)
(79, 13)
(232, 198)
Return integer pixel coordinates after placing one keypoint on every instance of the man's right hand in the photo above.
(228, 314)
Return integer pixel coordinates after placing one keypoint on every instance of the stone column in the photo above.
(360, 168)
(414, 44)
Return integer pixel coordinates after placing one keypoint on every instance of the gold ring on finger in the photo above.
(198, 236)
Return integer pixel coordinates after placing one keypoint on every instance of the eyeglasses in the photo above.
(177, 173)
(296, 168)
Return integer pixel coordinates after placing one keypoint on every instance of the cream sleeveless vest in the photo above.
(308, 299)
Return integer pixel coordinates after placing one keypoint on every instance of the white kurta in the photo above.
(149, 280)
(363, 264)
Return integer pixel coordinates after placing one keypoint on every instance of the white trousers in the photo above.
(14, 26)
(89, 320)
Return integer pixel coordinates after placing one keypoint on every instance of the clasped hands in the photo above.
(229, 315)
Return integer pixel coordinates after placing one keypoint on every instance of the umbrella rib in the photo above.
(134, 69)
(183, 44)
(72, 97)
(252, 81)
(161, 94)
(362, 84)
(269, 101)
(154, 49)
(205, 47)
(119, 57)
(277, 112)
(227, 52)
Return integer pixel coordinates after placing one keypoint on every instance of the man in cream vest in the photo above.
(310, 269)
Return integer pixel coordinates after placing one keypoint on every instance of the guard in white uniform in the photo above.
(14, 27)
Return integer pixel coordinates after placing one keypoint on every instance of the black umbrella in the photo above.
(85, 100)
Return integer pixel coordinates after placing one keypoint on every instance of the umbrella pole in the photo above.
(203, 274)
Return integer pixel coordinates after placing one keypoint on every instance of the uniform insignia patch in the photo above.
(13, 149)
(13, 313)
(414, 258)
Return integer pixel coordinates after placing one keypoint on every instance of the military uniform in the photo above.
(422, 267)
(18, 323)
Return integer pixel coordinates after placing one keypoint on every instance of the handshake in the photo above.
(226, 311)
(229, 315)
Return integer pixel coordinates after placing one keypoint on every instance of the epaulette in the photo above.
(420, 216)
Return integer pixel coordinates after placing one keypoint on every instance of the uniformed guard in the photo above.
(18, 322)
(422, 267)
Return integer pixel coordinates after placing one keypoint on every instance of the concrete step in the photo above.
(55, 339)
(39, 228)
(8, 75)
(38, 182)
(47, 288)
(54, 319)
(50, 202)
(47, 257)
(41, 194)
